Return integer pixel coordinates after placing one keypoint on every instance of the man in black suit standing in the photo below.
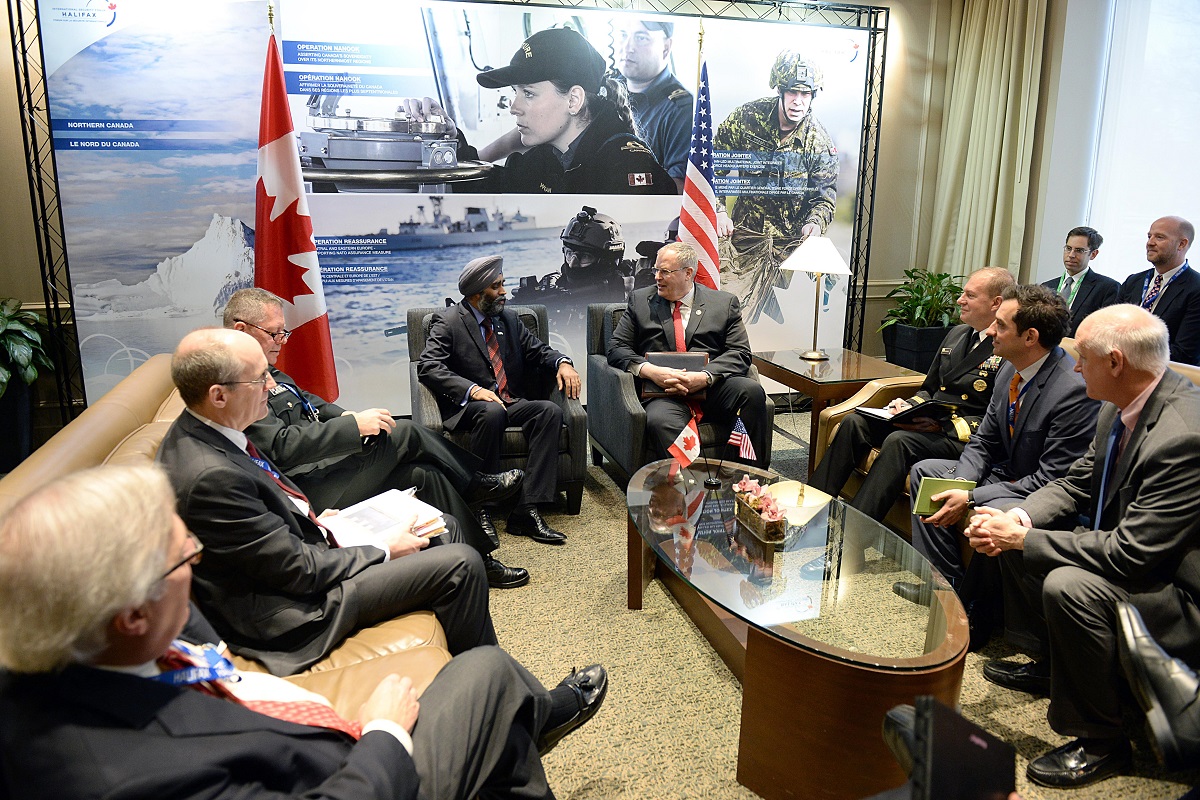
(1038, 422)
(339, 457)
(962, 373)
(478, 362)
(110, 697)
(710, 321)
(1171, 289)
(274, 583)
(1083, 289)
(1122, 525)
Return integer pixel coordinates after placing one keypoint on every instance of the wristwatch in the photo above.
(970, 498)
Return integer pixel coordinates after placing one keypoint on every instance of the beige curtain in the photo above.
(984, 165)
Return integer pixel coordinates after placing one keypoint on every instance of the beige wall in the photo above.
(19, 273)
(913, 91)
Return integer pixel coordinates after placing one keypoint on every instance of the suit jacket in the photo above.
(961, 376)
(268, 582)
(90, 733)
(455, 358)
(1179, 308)
(1054, 426)
(1148, 532)
(295, 443)
(1096, 291)
(715, 327)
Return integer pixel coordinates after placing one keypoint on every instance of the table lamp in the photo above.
(819, 256)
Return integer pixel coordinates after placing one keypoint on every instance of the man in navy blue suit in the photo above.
(1083, 289)
(1171, 289)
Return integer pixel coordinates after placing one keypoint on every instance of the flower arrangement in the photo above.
(759, 511)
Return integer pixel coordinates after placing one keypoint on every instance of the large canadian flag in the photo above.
(285, 255)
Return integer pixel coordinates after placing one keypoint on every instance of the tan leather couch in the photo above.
(878, 394)
(126, 426)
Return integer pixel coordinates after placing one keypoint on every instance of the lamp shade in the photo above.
(816, 254)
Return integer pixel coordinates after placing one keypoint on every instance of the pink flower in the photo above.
(748, 484)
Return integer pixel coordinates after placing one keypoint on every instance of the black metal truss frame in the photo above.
(873, 19)
(63, 340)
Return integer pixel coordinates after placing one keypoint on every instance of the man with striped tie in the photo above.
(481, 364)
(1171, 289)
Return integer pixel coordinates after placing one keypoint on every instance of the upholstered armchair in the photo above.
(514, 451)
(617, 422)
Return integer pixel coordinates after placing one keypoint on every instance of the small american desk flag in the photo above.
(741, 437)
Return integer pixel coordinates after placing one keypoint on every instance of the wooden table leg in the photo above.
(641, 566)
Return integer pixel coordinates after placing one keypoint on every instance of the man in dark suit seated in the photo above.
(1171, 289)
(1083, 289)
(97, 700)
(962, 374)
(707, 321)
(275, 584)
(1122, 525)
(480, 362)
(1038, 422)
(338, 457)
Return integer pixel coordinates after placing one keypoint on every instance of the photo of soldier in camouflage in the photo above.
(790, 182)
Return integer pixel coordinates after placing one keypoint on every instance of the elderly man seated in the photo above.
(98, 698)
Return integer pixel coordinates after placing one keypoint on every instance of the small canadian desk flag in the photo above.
(285, 255)
(686, 447)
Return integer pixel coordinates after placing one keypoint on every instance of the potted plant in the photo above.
(924, 310)
(21, 354)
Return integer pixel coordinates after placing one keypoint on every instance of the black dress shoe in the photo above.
(530, 523)
(589, 685)
(900, 735)
(494, 488)
(485, 521)
(1166, 689)
(1032, 677)
(502, 577)
(1071, 765)
(912, 592)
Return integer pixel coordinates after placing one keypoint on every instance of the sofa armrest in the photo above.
(425, 411)
(876, 394)
(618, 421)
(575, 418)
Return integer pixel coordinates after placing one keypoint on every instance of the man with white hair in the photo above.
(1120, 526)
(102, 695)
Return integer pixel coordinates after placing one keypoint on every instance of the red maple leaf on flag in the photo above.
(689, 443)
(282, 238)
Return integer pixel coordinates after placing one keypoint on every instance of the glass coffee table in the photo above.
(823, 648)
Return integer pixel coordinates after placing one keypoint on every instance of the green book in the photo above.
(923, 506)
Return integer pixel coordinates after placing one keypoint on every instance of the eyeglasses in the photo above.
(280, 337)
(266, 376)
(1075, 251)
(193, 558)
(666, 272)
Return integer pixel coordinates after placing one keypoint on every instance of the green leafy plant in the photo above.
(22, 351)
(925, 300)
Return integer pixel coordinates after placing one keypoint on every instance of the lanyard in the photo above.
(1163, 290)
(309, 410)
(1012, 407)
(217, 667)
(1074, 288)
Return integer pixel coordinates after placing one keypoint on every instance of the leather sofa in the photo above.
(126, 426)
(878, 394)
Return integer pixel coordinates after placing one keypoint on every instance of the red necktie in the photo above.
(493, 348)
(677, 316)
(301, 712)
(252, 451)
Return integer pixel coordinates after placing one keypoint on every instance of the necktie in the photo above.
(1155, 290)
(1110, 463)
(677, 316)
(301, 712)
(1065, 294)
(252, 451)
(493, 348)
(1014, 403)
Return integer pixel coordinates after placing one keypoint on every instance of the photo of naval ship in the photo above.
(478, 226)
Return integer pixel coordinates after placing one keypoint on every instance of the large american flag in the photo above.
(741, 438)
(698, 216)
